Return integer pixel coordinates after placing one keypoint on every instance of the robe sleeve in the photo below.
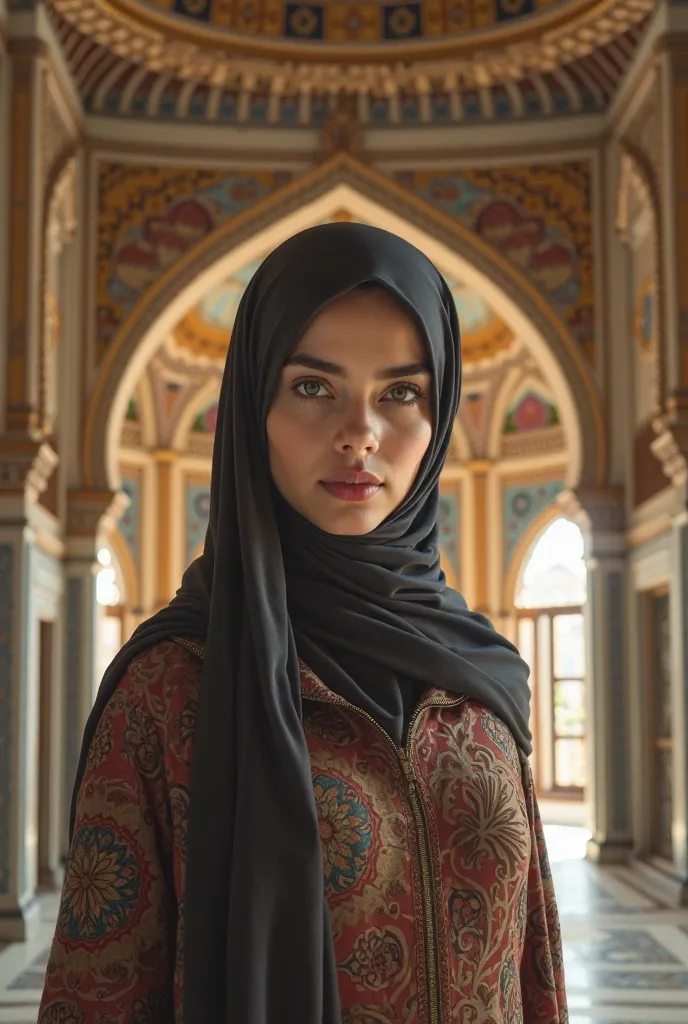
(114, 955)
(542, 966)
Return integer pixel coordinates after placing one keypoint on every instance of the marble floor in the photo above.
(626, 956)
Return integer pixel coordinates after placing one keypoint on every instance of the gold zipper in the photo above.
(404, 756)
(190, 646)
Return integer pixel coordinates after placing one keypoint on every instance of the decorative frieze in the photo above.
(671, 443)
(25, 467)
(234, 59)
(595, 509)
(92, 512)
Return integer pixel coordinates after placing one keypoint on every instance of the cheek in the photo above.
(290, 444)
(409, 446)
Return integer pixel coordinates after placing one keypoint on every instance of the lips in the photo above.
(353, 476)
(352, 485)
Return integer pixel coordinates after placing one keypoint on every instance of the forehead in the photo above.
(364, 319)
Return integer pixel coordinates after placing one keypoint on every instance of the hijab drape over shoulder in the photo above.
(363, 612)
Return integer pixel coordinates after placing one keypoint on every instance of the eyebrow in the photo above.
(313, 363)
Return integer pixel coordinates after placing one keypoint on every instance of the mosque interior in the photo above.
(152, 152)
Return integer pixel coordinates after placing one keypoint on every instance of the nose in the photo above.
(359, 435)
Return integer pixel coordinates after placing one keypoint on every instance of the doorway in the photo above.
(549, 610)
(660, 732)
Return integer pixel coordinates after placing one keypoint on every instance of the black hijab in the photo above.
(363, 612)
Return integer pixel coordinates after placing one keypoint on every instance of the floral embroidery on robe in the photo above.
(434, 862)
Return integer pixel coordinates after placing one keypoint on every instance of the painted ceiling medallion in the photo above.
(331, 46)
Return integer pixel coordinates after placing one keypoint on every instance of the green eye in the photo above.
(309, 389)
(405, 394)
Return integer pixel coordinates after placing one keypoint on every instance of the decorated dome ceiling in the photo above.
(374, 21)
(204, 332)
(378, 47)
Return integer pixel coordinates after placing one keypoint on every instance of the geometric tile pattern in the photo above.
(521, 505)
(197, 516)
(448, 524)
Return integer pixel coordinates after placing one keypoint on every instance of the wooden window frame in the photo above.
(555, 792)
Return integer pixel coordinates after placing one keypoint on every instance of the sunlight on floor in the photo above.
(566, 842)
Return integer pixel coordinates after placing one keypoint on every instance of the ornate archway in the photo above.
(367, 195)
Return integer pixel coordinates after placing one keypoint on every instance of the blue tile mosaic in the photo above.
(522, 504)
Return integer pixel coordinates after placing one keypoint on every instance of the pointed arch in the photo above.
(200, 401)
(524, 548)
(344, 183)
(515, 384)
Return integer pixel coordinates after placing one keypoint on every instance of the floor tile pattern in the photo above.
(626, 956)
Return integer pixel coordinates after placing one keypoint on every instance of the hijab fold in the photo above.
(364, 612)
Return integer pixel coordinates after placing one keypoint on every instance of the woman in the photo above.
(304, 792)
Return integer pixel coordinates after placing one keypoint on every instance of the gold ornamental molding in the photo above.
(599, 509)
(26, 466)
(192, 50)
(637, 175)
(671, 443)
(91, 512)
(343, 170)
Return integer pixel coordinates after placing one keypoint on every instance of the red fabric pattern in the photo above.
(434, 863)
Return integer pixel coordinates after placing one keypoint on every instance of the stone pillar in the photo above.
(25, 468)
(480, 473)
(600, 513)
(678, 611)
(90, 515)
(671, 424)
(169, 540)
(80, 629)
(24, 237)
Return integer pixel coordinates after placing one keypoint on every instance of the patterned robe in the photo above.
(435, 866)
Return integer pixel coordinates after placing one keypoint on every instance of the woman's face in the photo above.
(351, 419)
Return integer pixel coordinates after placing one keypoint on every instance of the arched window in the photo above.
(110, 601)
(550, 596)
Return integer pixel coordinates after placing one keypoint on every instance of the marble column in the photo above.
(30, 583)
(480, 477)
(80, 628)
(678, 612)
(671, 425)
(168, 527)
(601, 515)
(90, 515)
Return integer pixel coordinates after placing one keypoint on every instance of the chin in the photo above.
(355, 530)
(349, 523)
